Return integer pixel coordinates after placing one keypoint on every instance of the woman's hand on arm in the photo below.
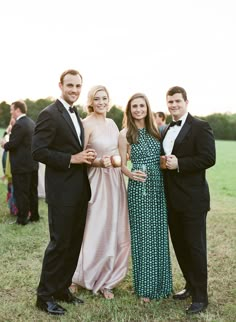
(104, 162)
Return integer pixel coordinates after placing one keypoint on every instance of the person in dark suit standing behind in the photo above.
(24, 169)
(58, 142)
(189, 148)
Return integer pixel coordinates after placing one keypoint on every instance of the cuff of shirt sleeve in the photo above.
(177, 166)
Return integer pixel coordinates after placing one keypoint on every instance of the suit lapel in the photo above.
(184, 131)
(68, 120)
(163, 134)
(81, 128)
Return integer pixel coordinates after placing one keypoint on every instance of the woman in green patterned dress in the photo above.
(139, 141)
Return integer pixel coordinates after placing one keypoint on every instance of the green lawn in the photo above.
(1, 132)
(21, 252)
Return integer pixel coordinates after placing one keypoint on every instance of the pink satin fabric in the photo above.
(103, 261)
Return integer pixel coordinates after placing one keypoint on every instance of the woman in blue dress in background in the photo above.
(139, 141)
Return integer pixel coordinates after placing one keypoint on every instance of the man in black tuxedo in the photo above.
(189, 148)
(24, 169)
(58, 142)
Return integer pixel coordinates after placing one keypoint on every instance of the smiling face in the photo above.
(71, 88)
(138, 109)
(100, 102)
(177, 106)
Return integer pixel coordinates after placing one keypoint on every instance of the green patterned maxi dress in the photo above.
(148, 222)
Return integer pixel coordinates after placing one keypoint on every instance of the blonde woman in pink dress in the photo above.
(104, 256)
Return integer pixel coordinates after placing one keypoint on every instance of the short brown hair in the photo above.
(21, 105)
(161, 115)
(71, 72)
(177, 89)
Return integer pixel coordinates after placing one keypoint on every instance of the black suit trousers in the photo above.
(188, 235)
(26, 194)
(66, 227)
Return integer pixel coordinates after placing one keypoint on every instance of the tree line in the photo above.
(223, 125)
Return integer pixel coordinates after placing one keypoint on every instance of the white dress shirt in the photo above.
(73, 118)
(171, 135)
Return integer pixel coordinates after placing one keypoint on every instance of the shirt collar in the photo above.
(64, 103)
(20, 116)
(183, 118)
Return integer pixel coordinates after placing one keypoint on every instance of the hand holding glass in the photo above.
(141, 175)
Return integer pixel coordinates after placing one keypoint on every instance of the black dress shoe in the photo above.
(50, 307)
(34, 219)
(196, 307)
(22, 222)
(69, 298)
(182, 295)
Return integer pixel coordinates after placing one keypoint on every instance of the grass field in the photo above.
(22, 248)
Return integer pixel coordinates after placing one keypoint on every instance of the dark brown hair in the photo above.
(129, 123)
(161, 115)
(21, 105)
(177, 89)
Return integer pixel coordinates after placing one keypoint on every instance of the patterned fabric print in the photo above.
(148, 222)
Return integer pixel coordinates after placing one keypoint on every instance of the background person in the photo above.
(103, 261)
(58, 142)
(23, 168)
(7, 171)
(160, 119)
(146, 201)
(189, 147)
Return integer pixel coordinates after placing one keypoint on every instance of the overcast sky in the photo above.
(127, 45)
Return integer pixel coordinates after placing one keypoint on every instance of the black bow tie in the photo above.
(173, 123)
(72, 109)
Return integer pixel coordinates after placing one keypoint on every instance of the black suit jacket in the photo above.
(19, 145)
(187, 188)
(54, 141)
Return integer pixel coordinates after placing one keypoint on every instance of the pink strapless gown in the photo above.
(104, 256)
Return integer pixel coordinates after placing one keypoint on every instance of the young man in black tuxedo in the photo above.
(189, 148)
(58, 142)
(23, 168)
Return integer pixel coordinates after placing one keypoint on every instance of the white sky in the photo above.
(127, 45)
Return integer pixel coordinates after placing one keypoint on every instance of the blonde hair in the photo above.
(91, 95)
(129, 123)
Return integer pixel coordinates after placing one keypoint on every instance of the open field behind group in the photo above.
(22, 248)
